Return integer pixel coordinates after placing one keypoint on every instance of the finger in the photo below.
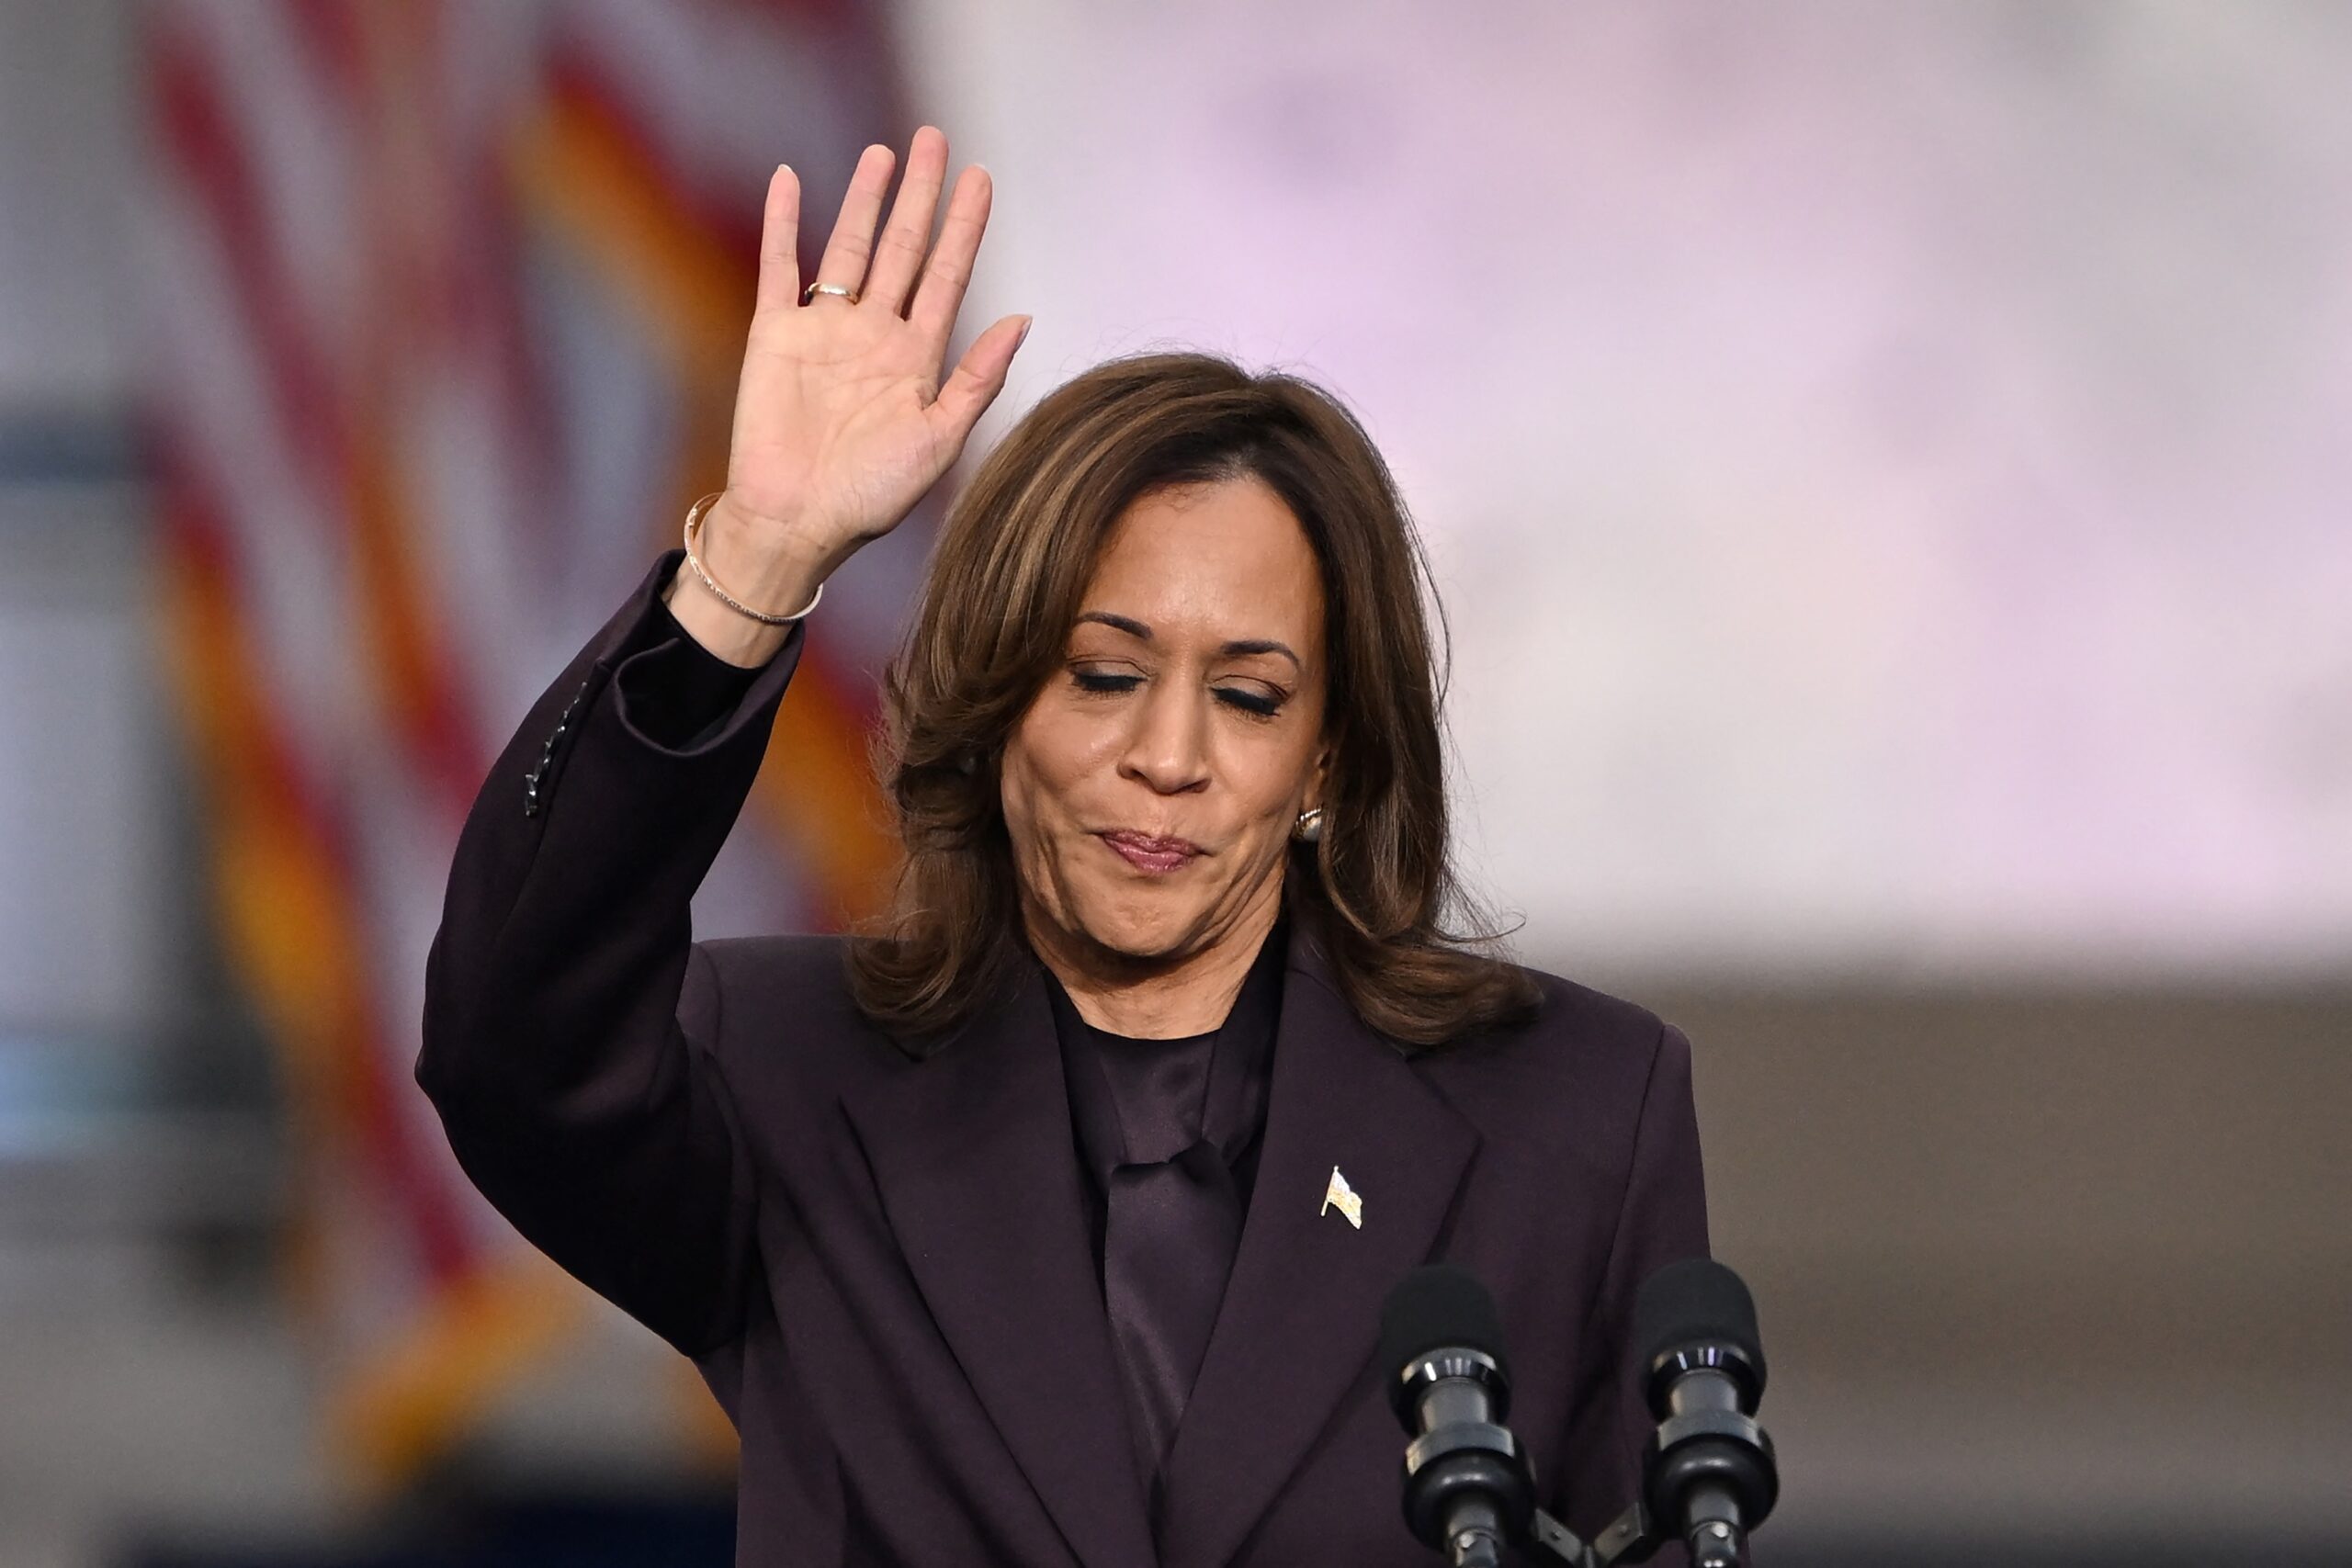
(941, 294)
(779, 285)
(907, 236)
(979, 377)
(853, 238)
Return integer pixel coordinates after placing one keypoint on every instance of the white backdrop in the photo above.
(1886, 464)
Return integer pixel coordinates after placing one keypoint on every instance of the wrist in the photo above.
(722, 633)
(768, 567)
(717, 595)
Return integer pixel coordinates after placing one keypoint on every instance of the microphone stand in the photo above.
(1713, 1466)
(1630, 1539)
(1708, 1466)
(1710, 1463)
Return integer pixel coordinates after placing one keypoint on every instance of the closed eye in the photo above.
(1257, 705)
(1261, 703)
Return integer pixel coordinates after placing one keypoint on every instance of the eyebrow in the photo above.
(1234, 648)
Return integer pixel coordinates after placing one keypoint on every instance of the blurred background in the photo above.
(1887, 467)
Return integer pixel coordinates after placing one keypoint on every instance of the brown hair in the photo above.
(1014, 557)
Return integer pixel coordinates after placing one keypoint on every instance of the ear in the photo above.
(1319, 778)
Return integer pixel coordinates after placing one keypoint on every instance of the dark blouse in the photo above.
(1167, 1138)
(1165, 1131)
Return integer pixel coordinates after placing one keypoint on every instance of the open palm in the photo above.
(841, 420)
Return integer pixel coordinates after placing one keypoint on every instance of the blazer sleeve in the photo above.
(1662, 1220)
(570, 1020)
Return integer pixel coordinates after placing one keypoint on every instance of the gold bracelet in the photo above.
(694, 520)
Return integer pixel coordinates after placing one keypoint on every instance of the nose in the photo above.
(1168, 749)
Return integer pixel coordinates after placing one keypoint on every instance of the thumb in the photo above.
(979, 377)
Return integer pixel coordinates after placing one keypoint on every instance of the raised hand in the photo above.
(841, 420)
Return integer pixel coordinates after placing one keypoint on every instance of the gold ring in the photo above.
(816, 288)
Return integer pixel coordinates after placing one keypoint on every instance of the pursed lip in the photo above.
(1150, 851)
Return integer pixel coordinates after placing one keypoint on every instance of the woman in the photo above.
(1049, 1221)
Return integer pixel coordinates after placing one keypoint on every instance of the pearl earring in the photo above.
(1308, 829)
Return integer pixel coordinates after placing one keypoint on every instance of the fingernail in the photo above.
(1026, 322)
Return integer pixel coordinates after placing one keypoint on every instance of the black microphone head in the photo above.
(1691, 1309)
(1438, 1307)
(1435, 1308)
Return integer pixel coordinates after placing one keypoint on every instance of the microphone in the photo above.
(1467, 1486)
(1710, 1476)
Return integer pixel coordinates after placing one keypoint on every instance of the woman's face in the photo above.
(1151, 786)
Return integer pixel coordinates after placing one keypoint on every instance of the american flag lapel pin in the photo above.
(1343, 1197)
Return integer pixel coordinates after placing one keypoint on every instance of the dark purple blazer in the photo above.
(879, 1261)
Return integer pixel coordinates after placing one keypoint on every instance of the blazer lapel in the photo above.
(972, 1150)
(1301, 1313)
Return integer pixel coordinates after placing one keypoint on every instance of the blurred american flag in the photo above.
(445, 308)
